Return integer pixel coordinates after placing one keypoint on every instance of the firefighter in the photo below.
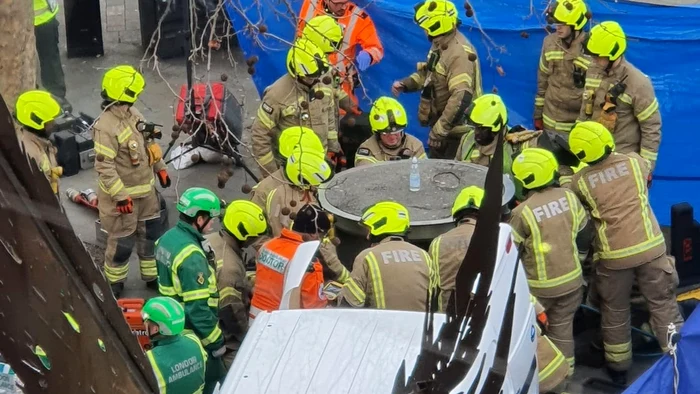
(125, 163)
(628, 245)
(303, 173)
(311, 223)
(187, 272)
(488, 116)
(389, 142)
(289, 138)
(551, 363)
(243, 224)
(37, 111)
(359, 30)
(299, 98)
(620, 96)
(448, 81)
(46, 33)
(545, 227)
(448, 250)
(562, 70)
(177, 358)
(392, 273)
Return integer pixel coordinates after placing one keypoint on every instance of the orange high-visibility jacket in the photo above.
(358, 29)
(270, 266)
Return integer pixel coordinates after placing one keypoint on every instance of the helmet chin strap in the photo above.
(203, 226)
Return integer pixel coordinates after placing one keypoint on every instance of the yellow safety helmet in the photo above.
(244, 219)
(298, 135)
(436, 17)
(535, 167)
(386, 218)
(122, 83)
(325, 32)
(590, 141)
(306, 168)
(387, 114)
(607, 39)
(35, 108)
(305, 59)
(469, 198)
(488, 111)
(569, 12)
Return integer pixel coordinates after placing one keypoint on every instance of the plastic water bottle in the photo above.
(414, 177)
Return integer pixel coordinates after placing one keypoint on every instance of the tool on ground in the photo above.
(86, 197)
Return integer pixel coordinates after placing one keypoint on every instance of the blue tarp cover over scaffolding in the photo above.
(663, 42)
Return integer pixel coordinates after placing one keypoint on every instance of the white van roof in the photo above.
(339, 351)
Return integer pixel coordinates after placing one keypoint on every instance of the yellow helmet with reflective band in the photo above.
(590, 141)
(569, 12)
(386, 218)
(488, 111)
(244, 219)
(607, 39)
(469, 198)
(307, 168)
(325, 32)
(305, 59)
(535, 167)
(387, 114)
(122, 83)
(298, 135)
(436, 17)
(35, 108)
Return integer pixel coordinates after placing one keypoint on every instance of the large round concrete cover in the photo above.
(350, 192)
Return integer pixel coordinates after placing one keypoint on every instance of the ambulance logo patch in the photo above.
(200, 278)
(267, 108)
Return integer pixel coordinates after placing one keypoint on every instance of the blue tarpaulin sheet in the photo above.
(663, 41)
(659, 378)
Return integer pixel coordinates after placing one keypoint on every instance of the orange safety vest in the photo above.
(270, 267)
(358, 29)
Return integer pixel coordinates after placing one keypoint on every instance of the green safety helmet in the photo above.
(196, 199)
(167, 313)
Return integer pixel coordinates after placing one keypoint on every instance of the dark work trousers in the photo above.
(52, 78)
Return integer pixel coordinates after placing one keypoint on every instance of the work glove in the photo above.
(539, 124)
(363, 60)
(434, 142)
(396, 88)
(125, 206)
(164, 178)
(543, 322)
(219, 352)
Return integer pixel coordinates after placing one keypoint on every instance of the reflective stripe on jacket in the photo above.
(615, 192)
(545, 227)
(447, 252)
(185, 274)
(270, 267)
(44, 11)
(179, 363)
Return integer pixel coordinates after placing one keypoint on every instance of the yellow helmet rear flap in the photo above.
(305, 59)
(386, 218)
(307, 168)
(122, 83)
(298, 135)
(325, 32)
(569, 12)
(488, 111)
(387, 114)
(606, 39)
(590, 141)
(469, 198)
(244, 219)
(535, 168)
(35, 108)
(436, 17)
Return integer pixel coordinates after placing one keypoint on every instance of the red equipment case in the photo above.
(131, 307)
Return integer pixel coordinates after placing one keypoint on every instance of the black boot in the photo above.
(617, 377)
(153, 285)
(117, 289)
